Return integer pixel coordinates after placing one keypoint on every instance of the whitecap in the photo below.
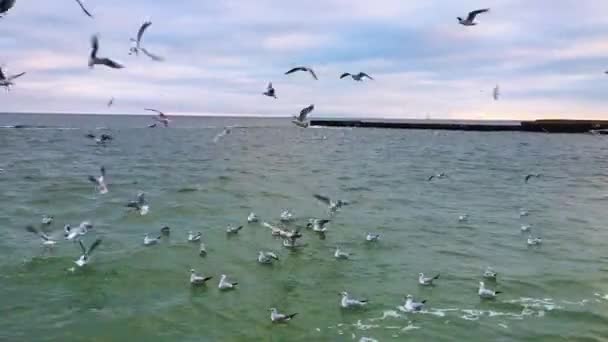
(409, 327)
(502, 325)
(359, 325)
(386, 314)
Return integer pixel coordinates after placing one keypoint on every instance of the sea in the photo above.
(196, 181)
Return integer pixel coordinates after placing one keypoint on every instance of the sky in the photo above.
(548, 56)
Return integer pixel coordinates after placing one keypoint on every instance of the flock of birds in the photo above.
(289, 237)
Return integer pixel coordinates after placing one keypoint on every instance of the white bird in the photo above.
(523, 213)
(372, 237)
(489, 273)
(84, 258)
(136, 43)
(270, 91)
(331, 204)
(202, 250)
(47, 220)
(100, 184)
(526, 228)
(426, 281)
(318, 225)
(233, 230)
(73, 233)
(486, 293)
(286, 216)
(84, 9)
(225, 285)
(303, 68)
(496, 93)
(357, 77)
(277, 317)
(6, 5)
(275, 231)
(470, 20)
(267, 257)
(7, 82)
(346, 302)
(140, 204)
(93, 59)
(300, 120)
(148, 241)
(411, 305)
(194, 237)
(161, 117)
(223, 133)
(197, 280)
(341, 255)
(47, 241)
(252, 218)
(534, 241)
(463, 218)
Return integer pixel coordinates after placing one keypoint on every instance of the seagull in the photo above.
(372, 237)
(277, 317)
(424, 281)
(47, 241)
(489, 274)
(72, 233)
(275, 231)
(348, 302)
(463, 218)
(162, 117)
(5, 5)
(496, 93)
(84, 258)
(470, 20)
(300, 120)
(532, 175)
(137, 43)
(111, 102)
(333, 205)
(534, 241)
(267, 258)
(233, 230)
(148, 241)
(197, 280)
(47, 220)
(523, 212)
(340, 255)
(318, 225)
(270, 92)
(302, 68)
(93, 59)
(439, 176)
(286, 216)
(7, 82)
(202, 250)
(194, 237)
(291, 243)
(225, 285)
(84, 9)
(357, 77)
(252, 218)
(486, 293)
(412, 306)
(223, 133)
(526, 228)
(101, 139)
(140, 204)
(166, 231)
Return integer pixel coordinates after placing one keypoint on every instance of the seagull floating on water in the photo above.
(267, 258)
(303, 68)
(140, 205)
(47, 241)
(6, 5)
(277, 317)
(198, 280)
(523, 212)
(463, 218)
(486, 293)
(223, 133)
(161, 117)
(101, 140)
(233, 230)
(84, 258)
(341, 255)
(532, 175)
(300, 120)
(346, 302)
(93, 59)
(534, 241)
(270, 92)
(426, 281)
(526, 227)
(73, 233)
(7, 82)
(372, 237)
(333, 206)
(489, 273)
(202, 250)
(225, 285)
(357, 77)
(252, 218)
(84, 9)
(136, 43)
(47, 220)
(438, 176)
(148, 241)
(286, 216)
(166, 231)
(413, 306)
(194, 237)
(470, 20)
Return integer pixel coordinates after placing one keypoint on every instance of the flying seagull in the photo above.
(439, 176)
(73, 233)
(136, 43)
(300, 120)
(140, 204)
(5, 5)
(93, 59)
(111, 102)
(7, 82)
(532, 175)
(101, 139)
(318, 225)
(270, 92)
(47, 241)
(357, 77)
(84, 258)
(99, 182)
(333, 205)
(496, 93)
(277, 317)
(303, 68)
(470, 20)
(84, 9)
(161, 117)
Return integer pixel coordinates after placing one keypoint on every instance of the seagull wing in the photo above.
(93, 179)
(161, 114)
(312, 72)
(141, 199)
(84, 250)
(94, 46)
(141, 31)
(2, 77)
(14, 76)
(346, 74)
(269, 86)
(103, 171)
(93, 246)
(84, 9)
(295, 70)
(109, 63)
(152, 56)
(362, 74)
(473, 14)
(304, 112)
(322, 198)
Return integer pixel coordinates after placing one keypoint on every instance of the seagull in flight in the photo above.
(270, 92)
(486, 293)
(136, 43)
(413, 306)
(99, 182)
(161, 117)
(47, 241)
(532, 175)
(198, 280)
(93, 59)
(72, 233)
(346, 302)
(6, 5)
(84, 257)
(357, 77)
(277, 317)
(140, 204)
(84, 9)
(303, 68)
(267, 258)
(333, 205)
(438, 176)
(318, 225)
(111, 102)
(496, 93)
(101, 140)
(470, 20)
(426, 281)
(300, 120)
(7, 82)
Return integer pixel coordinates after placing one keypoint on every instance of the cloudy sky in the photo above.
(549, 57)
